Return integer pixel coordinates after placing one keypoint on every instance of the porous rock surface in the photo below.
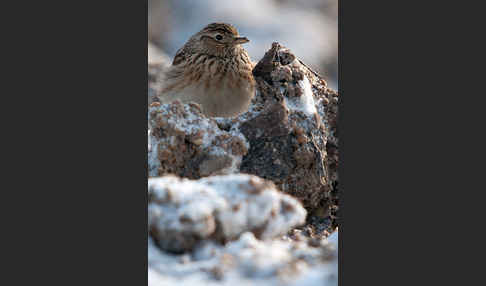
(289, 136)
(292, 131)
(183, 212)
(184, 142)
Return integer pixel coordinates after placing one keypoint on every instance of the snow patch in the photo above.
(305, 102)
(218, 206)
(246, 261)
(153, 160)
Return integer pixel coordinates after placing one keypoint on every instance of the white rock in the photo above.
(182, 212)
(246, 261)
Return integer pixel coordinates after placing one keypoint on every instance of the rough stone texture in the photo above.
(247, 261)
(289, 136)
(291, 128)
(183, 212)
(293, 139)
(183, 141)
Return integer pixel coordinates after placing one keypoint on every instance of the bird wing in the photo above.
(179, 57)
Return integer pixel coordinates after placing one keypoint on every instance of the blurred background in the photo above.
(308, 27)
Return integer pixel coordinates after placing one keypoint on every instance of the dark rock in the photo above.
(288, 136)
(293, 139)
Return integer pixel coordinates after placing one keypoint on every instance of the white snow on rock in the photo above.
(334, 238)
(182, 212)
(153, 161)
(186, 121)
(305, 102)
(246, 261)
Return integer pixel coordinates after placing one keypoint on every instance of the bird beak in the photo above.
(241, 40)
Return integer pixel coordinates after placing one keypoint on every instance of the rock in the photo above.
(293, 139)
(182, 213)
(246, 261)
(289, 136)
(185, 142)
(292, 131)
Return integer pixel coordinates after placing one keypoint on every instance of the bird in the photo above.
(213, 70)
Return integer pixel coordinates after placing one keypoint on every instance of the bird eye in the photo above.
(219, 37)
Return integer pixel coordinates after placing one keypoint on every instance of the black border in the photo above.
(80, 116)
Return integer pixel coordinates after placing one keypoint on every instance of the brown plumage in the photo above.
(212, 69)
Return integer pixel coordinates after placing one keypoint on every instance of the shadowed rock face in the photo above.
(288, 136)
(293, 140)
